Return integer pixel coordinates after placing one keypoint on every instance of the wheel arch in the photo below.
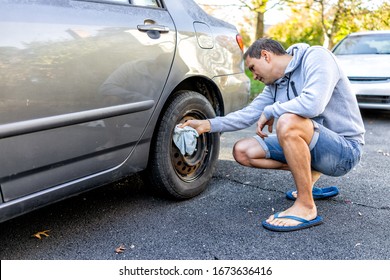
(200, 84)
(207, 88)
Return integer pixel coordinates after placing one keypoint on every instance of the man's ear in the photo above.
(266, 55)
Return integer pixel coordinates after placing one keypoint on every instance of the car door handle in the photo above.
(153, 27)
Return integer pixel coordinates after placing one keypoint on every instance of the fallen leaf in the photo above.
(40, 233)
(120, 249)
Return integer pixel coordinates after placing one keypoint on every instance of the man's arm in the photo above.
(201, 126)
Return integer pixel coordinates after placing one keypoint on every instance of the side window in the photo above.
(108, 1)
(115, 1)
(144, 3)
(120, 1)
(149, 3)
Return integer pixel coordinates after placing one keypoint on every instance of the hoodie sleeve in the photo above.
(321, 76)
(245, 117)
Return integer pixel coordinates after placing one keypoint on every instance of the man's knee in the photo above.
(240, 152)
(247, 150)
(287, 122)
(291, 125)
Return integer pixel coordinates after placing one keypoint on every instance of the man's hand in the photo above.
(201, 126)
(262, 122)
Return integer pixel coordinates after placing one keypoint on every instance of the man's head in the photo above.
(267, 60)
(264, 44)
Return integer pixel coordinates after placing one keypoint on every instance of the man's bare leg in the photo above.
(295, 134)
(296, 141)
(248, 152)
(315, 175)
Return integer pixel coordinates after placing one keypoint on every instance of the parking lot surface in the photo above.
(224, 222)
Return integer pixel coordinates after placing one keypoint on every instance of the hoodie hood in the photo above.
(297, 51)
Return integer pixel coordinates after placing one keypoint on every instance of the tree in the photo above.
(301, 27)
(325, 22)
(331, 13)
(259, 8)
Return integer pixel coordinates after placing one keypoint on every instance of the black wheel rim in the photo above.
(190, 167)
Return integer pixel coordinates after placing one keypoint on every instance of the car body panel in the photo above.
(365, 58)
(71, 54)
(83, 85)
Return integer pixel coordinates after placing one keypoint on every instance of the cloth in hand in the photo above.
(185, 139)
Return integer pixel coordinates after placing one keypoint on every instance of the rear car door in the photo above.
(78, 83)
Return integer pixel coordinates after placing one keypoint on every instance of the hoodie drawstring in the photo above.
(288, 82)
(292, 86)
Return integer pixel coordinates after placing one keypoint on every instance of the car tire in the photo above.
(178, 176)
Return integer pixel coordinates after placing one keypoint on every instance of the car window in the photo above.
(119, 1)
(149, 3)
(111, 1)
(364, 44)
(145, 3)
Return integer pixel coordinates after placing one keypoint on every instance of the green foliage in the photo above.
(300, 28)
(246, 37)
(308, 23)
(256, 86)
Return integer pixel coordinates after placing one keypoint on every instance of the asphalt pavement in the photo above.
(223, 223)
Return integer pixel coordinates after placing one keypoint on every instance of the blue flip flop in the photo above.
(318, 193)
(304, 223)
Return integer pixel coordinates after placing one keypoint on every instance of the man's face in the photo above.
(260, 68)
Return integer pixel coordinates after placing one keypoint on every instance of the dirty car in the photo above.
(91, 91)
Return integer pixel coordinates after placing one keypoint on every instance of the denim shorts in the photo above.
(331, 154)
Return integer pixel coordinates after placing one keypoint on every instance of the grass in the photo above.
(256, 86)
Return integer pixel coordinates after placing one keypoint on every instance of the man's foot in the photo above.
(294, 211)
(303, 223)
(318, 193)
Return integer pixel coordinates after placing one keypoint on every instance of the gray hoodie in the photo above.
(314, 86)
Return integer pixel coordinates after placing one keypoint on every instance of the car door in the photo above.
(78, 83)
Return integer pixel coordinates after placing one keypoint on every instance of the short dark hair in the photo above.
(264, 44)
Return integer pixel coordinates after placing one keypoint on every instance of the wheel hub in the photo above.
(188, 165)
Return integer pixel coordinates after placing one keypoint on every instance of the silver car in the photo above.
(91, 91)
(365, 57)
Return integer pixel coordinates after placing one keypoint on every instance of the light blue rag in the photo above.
(185, 139)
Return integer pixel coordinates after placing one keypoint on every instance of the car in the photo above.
(365, 57)
(91, 92)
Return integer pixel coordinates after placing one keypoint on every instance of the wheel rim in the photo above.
(190, 167)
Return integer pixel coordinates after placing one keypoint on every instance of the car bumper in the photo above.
(235, 89)
(372, 94)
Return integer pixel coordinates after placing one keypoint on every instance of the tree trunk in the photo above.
(259, 25)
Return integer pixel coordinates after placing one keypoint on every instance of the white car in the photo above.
(365, 57)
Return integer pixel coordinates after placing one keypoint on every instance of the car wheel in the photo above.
(169, 171)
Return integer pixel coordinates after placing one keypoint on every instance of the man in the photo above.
(319, 129)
